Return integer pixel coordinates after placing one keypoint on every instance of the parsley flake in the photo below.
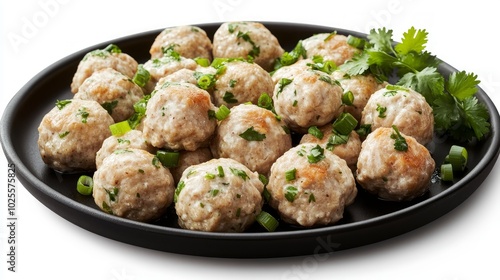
(252, 135)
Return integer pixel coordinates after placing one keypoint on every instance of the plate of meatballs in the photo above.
(195, 140)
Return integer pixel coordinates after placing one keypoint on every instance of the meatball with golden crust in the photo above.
(309, 186)
(392, 173)
(189, 41)
(113, 90)
(71, 134)
(330, 46)
(131, 184)
(402, 107)
(178, 117)
(244, 39)
(220, 195)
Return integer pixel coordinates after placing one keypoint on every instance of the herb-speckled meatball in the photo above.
(101, 59)
(221, 195)
(113, 90)
(178, 117)
(252, 136)
(330, 46)
(391, 173)
(404, 108)
(243, 39)
(71, 134)
(309, 98)
(188, 41)
(310, 186)
(133, 184)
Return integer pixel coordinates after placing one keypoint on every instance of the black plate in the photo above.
(367, 221)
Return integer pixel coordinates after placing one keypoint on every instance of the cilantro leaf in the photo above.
(476, 116)
(413, 40)
(428, 82)
(252, 135)
(381, 39)
(462, 85)
(357, 65)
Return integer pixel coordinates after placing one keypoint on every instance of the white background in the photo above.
(463, 244)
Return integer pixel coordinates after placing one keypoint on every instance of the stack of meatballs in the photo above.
(276, 143)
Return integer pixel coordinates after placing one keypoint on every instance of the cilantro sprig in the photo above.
(457, 111)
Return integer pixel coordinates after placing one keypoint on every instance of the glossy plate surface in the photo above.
(367, 221)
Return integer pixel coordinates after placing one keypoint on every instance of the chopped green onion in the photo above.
(168, 159)
(348, 98)
(205, 81)
(399, 141)
(263, 179)
(62, 103)
(282, 84)
(214, 192)
(381, 111)
(289, 58)
(457, 157)
(356, 42)
(84, 185)
(447, 172)
(112, 48)
(267, 221)
(290, 193)
(364, 130)
(83, 113)
(120, 128)
(178, 190)
(222, 113)
(290, 175)
(252, 135)
(335, 140)
(397, 87)
(317, 154)
(345, 123)
(316, 132)
(265, 101)
(220, 171)
(266, 195)
(202, 61)
(240, 173)
(142, 76)
(210, 176)
(229, 97)
(109, 106)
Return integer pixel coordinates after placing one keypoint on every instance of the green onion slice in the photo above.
(202, 61)
(222, 113)
(84, 185)
(112, 48)
(356, 42)
(345, 123)
(167, 158)
(447, 172)
(120, 128)
(267, 221)
(142, 76)
(290, 174)
(457, 157)
(348, 98)
(316, 132)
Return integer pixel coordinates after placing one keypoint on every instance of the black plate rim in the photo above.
(47, 195)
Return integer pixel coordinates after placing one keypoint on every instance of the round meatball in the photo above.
(348, 150)
(71, 134)
(220, 195)
(310, 187)
(404, 108)
(164, 66)
(243, 39)
(131, 184)
(113, 90)
(241, 82)
(178, 117)
(330, 46)
(188, 41)
(189, 158)
(189, 76)
(392, 174)
(101, 59)
(253, 136)
(132, 139)
(310, 98)
(362, 87)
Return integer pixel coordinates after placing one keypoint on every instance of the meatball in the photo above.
(348, 151)
(330, 46)
(189, 76)
(131, 184)
(188, 158)
(310, 186)
(131, 139)
(220, 195)
(362, 87)
(71, 134)
(404, 108)
(164, 66)
(392, 174)
(253, 136)
(113, 90)
(100, 59)
(188, 41)
(244, 39)
(241, 82)
(310, 98)
(178, 117)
